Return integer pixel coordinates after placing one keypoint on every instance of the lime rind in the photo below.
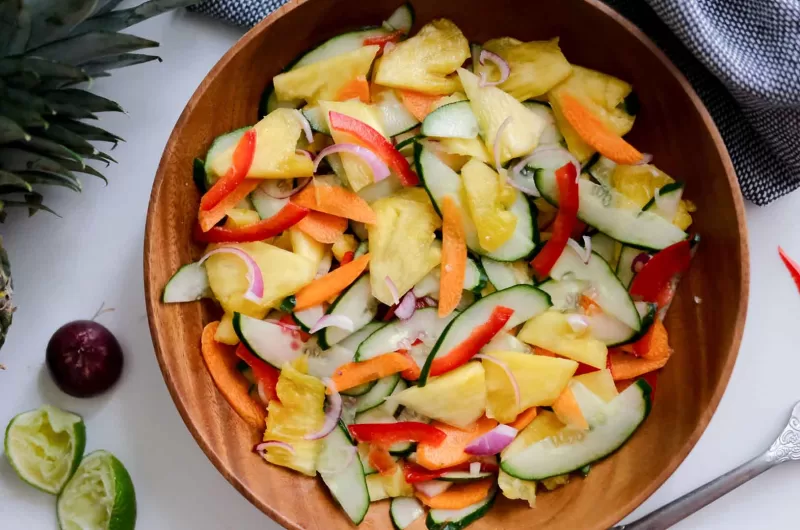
(99, 496)
(45, 447)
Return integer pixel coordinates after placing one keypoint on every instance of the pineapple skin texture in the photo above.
(425, 62)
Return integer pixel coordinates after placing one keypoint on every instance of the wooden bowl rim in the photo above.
(738, 204)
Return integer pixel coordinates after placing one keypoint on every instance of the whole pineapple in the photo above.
(50, 50)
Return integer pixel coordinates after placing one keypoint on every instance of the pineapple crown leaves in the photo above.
(48, 48)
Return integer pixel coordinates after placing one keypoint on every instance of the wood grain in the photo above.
(673, 125)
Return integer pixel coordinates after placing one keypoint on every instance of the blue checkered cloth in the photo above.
(741, 56)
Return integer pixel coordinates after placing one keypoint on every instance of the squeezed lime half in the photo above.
(45, 446)
(99, 496)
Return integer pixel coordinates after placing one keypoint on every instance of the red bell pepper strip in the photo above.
(368, 137)
(566, 219)
(288, 216)
(416, 473)
(347, 258)
(266, 375)
(391, 433)
(794, 268)
(654, 279)
(479, 338)
(383, 40)
(242, 160)
(292, 326)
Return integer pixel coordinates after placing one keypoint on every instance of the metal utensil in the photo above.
(786, 447)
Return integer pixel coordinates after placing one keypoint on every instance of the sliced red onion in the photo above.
(432, 488)
(393, 291)
(492, 442)
(497, 139)
(509, 374)
(379, 169)
(263, 446)
(505, 69)
(475, 469)
(305, 124)
(346, 461)
(639, 262)
(578, 323)
(304, 152)
(646, 159)
(273, 187)
(430, 302)
(333, 413)
(407, 306)
(585, 251)
(336, 321)
(284, 325)
(255, 280)
(324, 265)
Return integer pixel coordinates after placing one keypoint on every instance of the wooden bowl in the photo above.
(673, 125)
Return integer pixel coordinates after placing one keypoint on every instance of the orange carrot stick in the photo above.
(459, 496)
(221, 361)
(358, 88)
(335, 200)
(381, 459)
(209, 218)
(524, 418)
(417, 103)
(624, 366)
(454, 258)
(451, 451)
(334, 282)
(351, 375)
(595, 133)
(323, 227)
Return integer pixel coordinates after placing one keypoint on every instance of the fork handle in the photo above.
(671, 513)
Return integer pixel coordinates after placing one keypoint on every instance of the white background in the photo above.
(64, 269)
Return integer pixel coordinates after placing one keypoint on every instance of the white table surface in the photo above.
(64, 269)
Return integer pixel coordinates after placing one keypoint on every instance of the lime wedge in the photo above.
(45, 446)
(99, 496)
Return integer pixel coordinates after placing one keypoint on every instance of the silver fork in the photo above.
(786, 447)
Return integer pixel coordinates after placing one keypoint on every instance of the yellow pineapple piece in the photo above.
(551, 331)
(346, 243)
(639, 184)
(544, 425)
(600, 383)
(308, 247)
(425, 62)
(386, 487)
(516, 488)
(470, 147)
(556, 482)
(487, 205)
(225, 333)
(452, 98)
(239, 218)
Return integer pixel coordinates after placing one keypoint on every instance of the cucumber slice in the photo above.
(428, 285)
(608, 431)
(359, 390)
(506, 342)
(550, 135)
(459, 519)
(668, 202)
(379, 190)
(611, 332)
(601, 169)
(439, 181)
(199, 175)
(362, 249)
(464, 476)
(395, 117)
(404, 511)
(347, 485)
(609, 294)
(454, 120)
(402, 18)
(474, 280)
(392, 406)
(357, 304)
(264, 204)
(626, 224)
(565, 294)
(526, 301)
(504, 275)
(424, 324)
(188, 284)
(625, 265)
(308, 318)
(220, 145)
(316, 119)
(474, 276)
(323, 363)
(346, 42)
(378, 394)
(604, 246)
(272, 343)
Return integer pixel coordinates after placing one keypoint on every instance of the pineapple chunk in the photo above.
(540, 380)
(346, 243)
(283, 272)
(385, 487)
(600, 383)
(516, 488)
(456, 398)
(298, 412)
(239, 217)
(324, 79)
(452, 98)
(551, 331)
(569, 412)
(600, 93)
(484, 191)
(553, 483)
(492, 107)
(357, 171)
(472, 147)
(544, 425)
(275, 156)
(225, 333)
(601, 388)
(402, 243)
(308, 247)
(639, 184)
(536, 66)
(426, 61)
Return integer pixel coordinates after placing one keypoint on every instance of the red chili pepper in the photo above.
(375, 142)
(288, 216)
(416, 473)
(347, 258)
(566, 219)
(479, 337)
(654, 278)
(391, 433)
(265, 374)
(794, 268)
(383, 40)
(242, 160)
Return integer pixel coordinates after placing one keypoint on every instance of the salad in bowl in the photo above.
(442, 270)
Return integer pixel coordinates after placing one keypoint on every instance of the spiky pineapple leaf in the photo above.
(90, 46)
(15, 27)
(15, 159)
(71, 111)
(89, 170)
(58, 133)
(42, 67)
(9, 183)
(104, 6)
(82, 131)
(24, 80)
(124, 18)
(83, 99)
(10, 131)
(102, 157)
(32, 201)
(48, 147)
(101, 66)
(27, 99)
(24, 117)
(51, 21)
(46, 178)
